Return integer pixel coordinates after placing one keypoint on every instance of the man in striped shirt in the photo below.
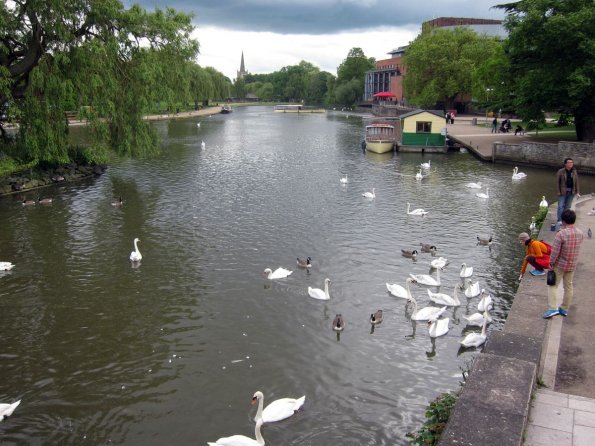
(563, 260)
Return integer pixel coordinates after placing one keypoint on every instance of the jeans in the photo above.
(564, 202)
(552, 290)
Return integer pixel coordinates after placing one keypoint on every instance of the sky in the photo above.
(274, 34)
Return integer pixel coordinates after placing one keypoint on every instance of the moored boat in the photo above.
(297, 108)
(380, 137)
(226, 109)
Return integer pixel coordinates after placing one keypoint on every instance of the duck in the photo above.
(344, 180)
(473, 185)
(118, 202)
(304, 263)
(543, 203)
(428, 247)
(485, 302)
(317, 293)
(439, 263)
(277, 410)
(26, 202)
(203, 145)
(418, 211)
(426, 313)
(6, 266)
(426, 279)
(376, 318)
(338, 323)
(481, 240)
(409, 253)
(445, 299)
(426, 165)
(533, 225)
(516, 175)
(136, 256)
(438, 327)
(242, 440)
(485, 194)
(44, 200)
(398, 291)
(370, 194)
(279, 273)
(419, 176)
(477, 339)
(466, 271)
(476, 319)
(473, 289)
(6, 409)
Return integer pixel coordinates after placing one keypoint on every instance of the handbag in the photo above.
(551, 277)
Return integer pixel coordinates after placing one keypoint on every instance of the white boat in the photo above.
(380, 137)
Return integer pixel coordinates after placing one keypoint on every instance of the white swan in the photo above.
(438, 327)
(440, 262)
(338, 323)
(370, 194)
(426, 313)
(543, 203)
(6, 266)
(135, 256)
(482, 194)
(241, 440)
(398, 291)
(198, 124)
(473, 289)
(419, 176)
(476, 319)
(279, 273)
(203, 145)
(426, 279)
(376, 318)
(516, 175)
(277, 410)
(485, 302)
(466, 271)
(418, 211)
(473, 185)
(533, 225)
(317, 293)
(445, 299)
(426, 165)
(6, 410)
(477, 339)
(343, 180)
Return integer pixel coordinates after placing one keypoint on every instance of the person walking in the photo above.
(567, 187)
(537, 255)
(495, 125)
(563, 260)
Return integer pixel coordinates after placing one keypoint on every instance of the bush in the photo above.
(436, 418)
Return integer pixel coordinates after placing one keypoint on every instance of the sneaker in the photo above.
(537, 272)
(550, 313)
(563, 312)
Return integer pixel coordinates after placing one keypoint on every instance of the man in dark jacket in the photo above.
(567, 187)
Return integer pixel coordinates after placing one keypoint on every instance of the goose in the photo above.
(484, 240)
(203, 145)
(118, 202)
(415, 211)
(277, 410)
(411, 254)
(486, 302)
(533, 225)
(344, 180)
(439, 263)
(135, 256)
(6, 410)
(304, 263)
(438, 327)
(426, 279)
(473, 185)
(426, 165)
(425, 313)
(279, 273)
(476, 319)
(398, 291)
(466, 271)
(543, 203)
(376, 318)
(445, 299)
(338, 323)
(370, 194)
(419, 176)
(482, 194)
(473, 289)
(44, 200)
(241, 440)
(476, 339)
(28, 202)
(6, 266)
(516, 175)
(427, 247)
(317, 293)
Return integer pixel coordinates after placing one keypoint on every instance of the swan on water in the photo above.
(543, 203)
(338, 323)
(516, 175)
(482, 194)
(445, 299)
(485, 302)
(476, 319)
(277, 410)
(279, 273)
(304, 263)
(419, 176)
(473, 185)
(428, 247)
(6, 409)
(203, 145)
(418, 211)
(472, 289)
(533, 225)
(370, 194)
(317, 293)
(426, 279)
(343, 180)
(439, 263)
(198, 124)
(438, 327)
(411, 254)
(398, 291)
(476, 339)
(466, 271)
(6, 266)
(376, 318)
(484, 240)
(425, 313)
(242, 440)
(135, 256)
(426, 165)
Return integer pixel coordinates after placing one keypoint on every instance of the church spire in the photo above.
(242, 71)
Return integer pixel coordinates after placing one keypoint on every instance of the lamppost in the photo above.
(487, 99)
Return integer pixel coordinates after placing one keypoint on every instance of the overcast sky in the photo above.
(277, 33)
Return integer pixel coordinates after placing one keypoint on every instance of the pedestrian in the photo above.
(447, 116)
(536, 254)
(452, 117)
(563, 260)
(495, 125)
(519, 130)
(567, 187)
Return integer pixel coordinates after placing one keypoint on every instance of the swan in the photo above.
(279, 273)
(466, 271)
(203, 145)
(44, 200)
(426, 279)
(409, 253)
(428, 247)
(376, 318)
(483, 195)
(6, 266)
(338, 323)
(419, 176)
(343, 180)
(543, 203)
(484, 240)
(28, 202)
(198, 124)
(398, 291)
(477, 339)
(516, 175)
(118, 202)
(307, 263)
(370, 194)
(277, 410)
(439, 263)
(6, 410)
(473, 185)
(445, 299)
(317, 293)
(533, 225)
(426, 165)
(415, 211)
(135, 256)
(486, 302)
(473, 289)
(426, 313)
(438, 327)
(476, 319)
(241, 440)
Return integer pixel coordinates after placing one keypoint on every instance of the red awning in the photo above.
(384, 94)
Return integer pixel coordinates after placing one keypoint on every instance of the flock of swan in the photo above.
(516, 175)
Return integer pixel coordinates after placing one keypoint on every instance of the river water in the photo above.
(171, 351)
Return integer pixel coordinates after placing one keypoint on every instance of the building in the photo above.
(423, 128)
(242, 72)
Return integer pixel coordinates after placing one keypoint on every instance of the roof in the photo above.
(419, 110)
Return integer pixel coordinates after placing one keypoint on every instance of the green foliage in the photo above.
(351, 74)
(437, 416)
(540, 217)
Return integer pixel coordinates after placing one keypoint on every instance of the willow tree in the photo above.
(111, 62)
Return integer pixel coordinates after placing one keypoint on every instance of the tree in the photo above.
(351, 77)
(56, 53)
(440, 65)
(552, 59)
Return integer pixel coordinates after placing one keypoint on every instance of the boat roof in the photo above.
(380, 124)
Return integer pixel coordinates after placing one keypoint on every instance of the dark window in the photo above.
(423, 127)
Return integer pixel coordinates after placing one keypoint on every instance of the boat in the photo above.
(297, 108)
(226, 109)
(380, 137)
